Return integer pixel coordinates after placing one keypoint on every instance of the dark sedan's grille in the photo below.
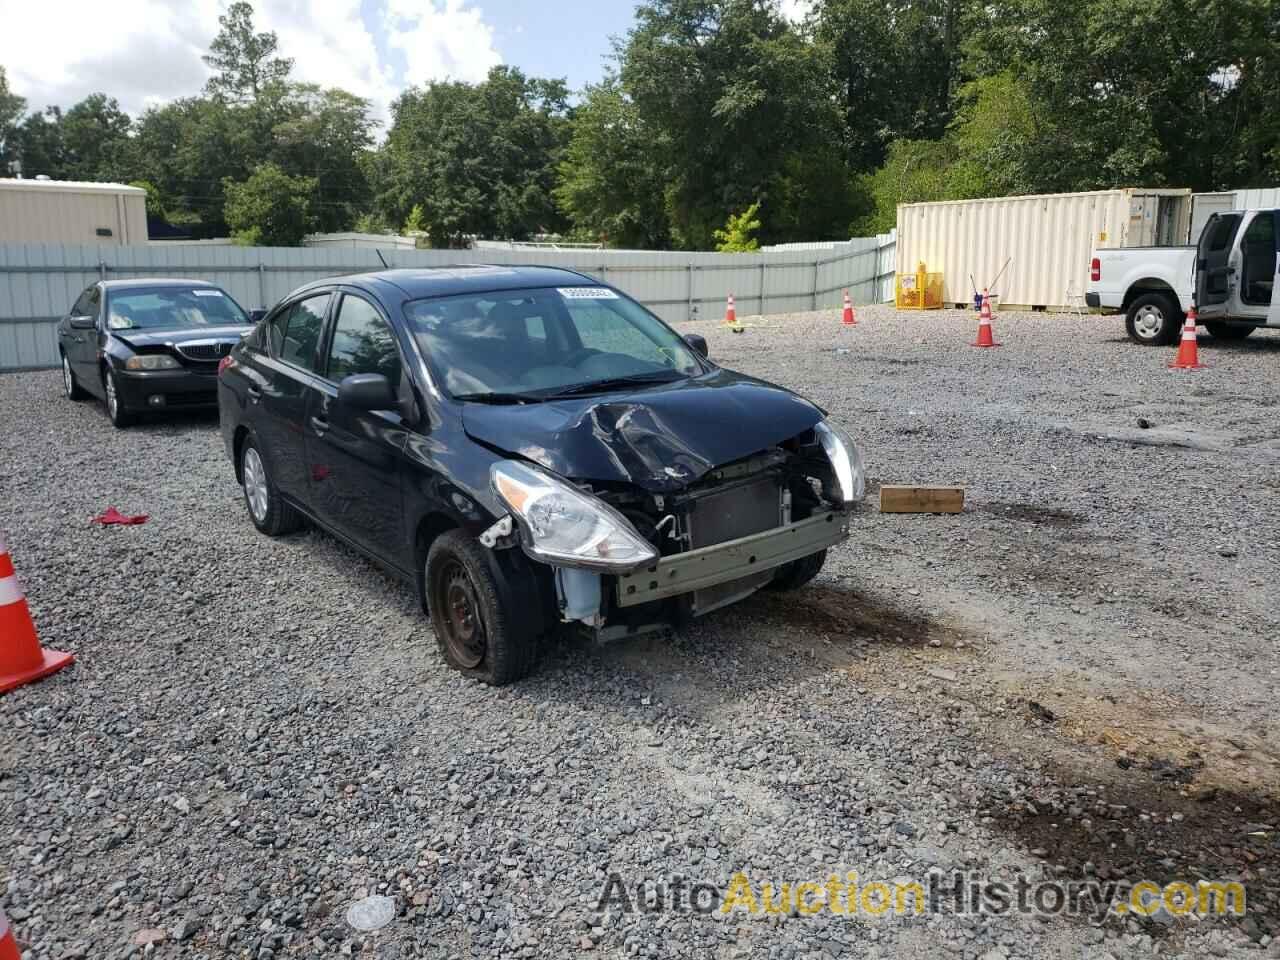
(736, 512)
(204, 351)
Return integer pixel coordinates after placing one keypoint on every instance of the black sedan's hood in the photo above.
(156, 337)
(660, 438)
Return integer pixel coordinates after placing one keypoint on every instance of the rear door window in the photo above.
(295, 332)
(362, 342)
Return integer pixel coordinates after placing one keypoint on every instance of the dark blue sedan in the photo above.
(532, 449)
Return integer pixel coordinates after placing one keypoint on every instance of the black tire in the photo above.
(119, 415)
(477, 635)
(794, 575)
(268, 510)
(1153, 320)
(70, 385)
(1228, 331)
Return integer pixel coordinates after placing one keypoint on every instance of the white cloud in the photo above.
(441, 39)
(146, 52)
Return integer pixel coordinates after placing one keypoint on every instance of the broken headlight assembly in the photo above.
(846, 460)
(562, 525)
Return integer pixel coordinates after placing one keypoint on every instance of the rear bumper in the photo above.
(175, 388)
(1093, 300)
(732, 560)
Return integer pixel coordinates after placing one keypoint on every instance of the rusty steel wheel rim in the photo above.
(460, 615)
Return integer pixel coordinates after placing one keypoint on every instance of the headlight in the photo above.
(846, 460)
(151, 361)
(565, 526)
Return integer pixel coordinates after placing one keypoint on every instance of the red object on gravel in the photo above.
(114, 516)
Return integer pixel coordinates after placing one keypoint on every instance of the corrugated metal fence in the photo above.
(39, 282)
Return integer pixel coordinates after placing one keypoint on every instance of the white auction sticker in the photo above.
(207, 293)
(586, 293)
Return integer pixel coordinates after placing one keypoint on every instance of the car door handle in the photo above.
(254, 394)
(319, 426)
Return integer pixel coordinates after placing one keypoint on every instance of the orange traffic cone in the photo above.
(985, 339)
(731, 315)
(848, 319)
(8, 945)
(1188, 356)
(21, 658)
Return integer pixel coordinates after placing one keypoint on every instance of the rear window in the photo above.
(172, 308)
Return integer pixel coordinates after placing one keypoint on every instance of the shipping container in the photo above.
(67, 211)
(1205, 205)
(1045, 240)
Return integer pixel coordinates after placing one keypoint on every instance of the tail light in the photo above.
(1095, 270)
(224, 363)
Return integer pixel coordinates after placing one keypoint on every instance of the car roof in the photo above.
(416, 284)
(154, 282)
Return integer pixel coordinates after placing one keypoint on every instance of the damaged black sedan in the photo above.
(532, 449)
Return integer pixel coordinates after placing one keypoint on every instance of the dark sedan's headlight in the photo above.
(151, 361)
(566, 526)
(846, 460)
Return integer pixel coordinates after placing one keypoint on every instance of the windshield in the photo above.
(535, 344)
(172, 308)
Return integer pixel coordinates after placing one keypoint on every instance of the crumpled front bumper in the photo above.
(683, 573)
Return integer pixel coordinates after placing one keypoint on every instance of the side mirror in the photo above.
(697, 341)
(367, 391)
(83, 323)
(256, 315)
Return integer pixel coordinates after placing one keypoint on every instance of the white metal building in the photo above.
(1046, 239)
(68, 211)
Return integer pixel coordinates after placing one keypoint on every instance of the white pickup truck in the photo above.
(1229, 276)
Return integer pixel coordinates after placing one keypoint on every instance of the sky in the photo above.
(147, 52)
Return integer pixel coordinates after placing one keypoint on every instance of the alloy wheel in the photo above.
(255, 485)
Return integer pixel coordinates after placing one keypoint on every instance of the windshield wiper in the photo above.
(613, 383)
(497, 397)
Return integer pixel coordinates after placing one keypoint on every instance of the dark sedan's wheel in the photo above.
(477, 636)
(1228, 331)
(793, 575)
(120, 416)
(1153, 320)
(267, 509)
(70, 385)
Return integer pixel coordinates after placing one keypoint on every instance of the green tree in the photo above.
(416, 222)
(12, 107)
(480, 159)
(738, 235)
(271, 208)
(895, 67)
(39, 144)
(155, 202)
(612, 174)
(730, 94)
(324, 134)
(244, 61)
(95, 133)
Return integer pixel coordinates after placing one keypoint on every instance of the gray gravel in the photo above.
(1073, 677)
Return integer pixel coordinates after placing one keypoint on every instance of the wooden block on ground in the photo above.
(915, 499)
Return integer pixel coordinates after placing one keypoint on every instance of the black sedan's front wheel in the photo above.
(70, 385)
(476, 634)
(116, 411)
(267, 509)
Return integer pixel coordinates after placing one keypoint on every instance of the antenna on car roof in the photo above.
(385, 265)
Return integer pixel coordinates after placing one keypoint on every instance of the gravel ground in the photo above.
(1075, 677)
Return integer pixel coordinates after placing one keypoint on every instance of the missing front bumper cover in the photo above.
(696, 569)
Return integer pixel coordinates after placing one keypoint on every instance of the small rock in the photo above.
(149, 936)
(371, 913)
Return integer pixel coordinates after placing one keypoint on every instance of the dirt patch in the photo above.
(836, 612)
(1032, 513)
(1149, 829)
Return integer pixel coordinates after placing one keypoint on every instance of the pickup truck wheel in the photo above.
(1228, 331)
(477, 635)
(794, 575)
(1153, 320)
